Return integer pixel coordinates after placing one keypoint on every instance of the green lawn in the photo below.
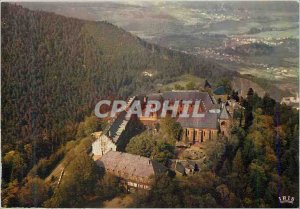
(183, 80)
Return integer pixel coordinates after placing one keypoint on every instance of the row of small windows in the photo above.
(188, 132)
(137, 185)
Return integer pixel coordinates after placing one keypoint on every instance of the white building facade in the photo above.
(103, 145)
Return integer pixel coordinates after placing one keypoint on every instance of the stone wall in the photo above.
(200, 135)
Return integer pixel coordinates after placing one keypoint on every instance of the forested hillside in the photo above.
(55, 69)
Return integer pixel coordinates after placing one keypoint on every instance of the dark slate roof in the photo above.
(220, 90)
(192, 163)
(215, 106)
(210, 121)
(112, 131)
(224, 115)
(179, 168)
(188, 95)
(127, 165)
(154, 96)
(207, 84)
(184, 95)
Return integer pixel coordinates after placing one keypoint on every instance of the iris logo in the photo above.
(286, 199)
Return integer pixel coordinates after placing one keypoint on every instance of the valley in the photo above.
(221, 31)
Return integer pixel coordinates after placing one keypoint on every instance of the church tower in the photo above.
(225, 122)
(207, 85)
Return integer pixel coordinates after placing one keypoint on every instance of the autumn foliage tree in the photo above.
(34, 193)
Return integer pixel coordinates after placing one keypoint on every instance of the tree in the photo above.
(28, 152)
(142, 144)
(258, 179)
(228, 198)
(178, 87)
(214, 151)
(81, 130)
(248, 153)
(45, 165)
(170, 129)
(268, 105)
(10, 194)
(78, 183)
(208, 201)
(162, 152)
(152, 146)
(250, 92)
(190, 86)
(14, 166)
(248, 114)
(237, 163)
(199, 190)
(90, 125)
(33, 193)
(165, 193)
(235, 95)
(226, 83)
(108, 187)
